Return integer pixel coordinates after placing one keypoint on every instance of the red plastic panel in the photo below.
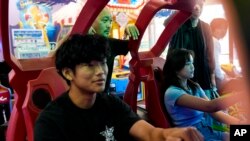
(16, 130)
(29, 69)
(23, 70)
(88, 14)
(142, 63)
(48, 80)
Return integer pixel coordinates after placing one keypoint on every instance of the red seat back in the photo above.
(40, 92)
(142, 63)
(158, 76)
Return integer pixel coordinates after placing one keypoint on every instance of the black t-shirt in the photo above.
(109, 118)
(118, 47)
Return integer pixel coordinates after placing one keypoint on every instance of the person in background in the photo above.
(4, 70)
(186, 102)
(225, 83)
(219, 28)
(5, 109)
(102, 26)
(196, 35)
(84, 113)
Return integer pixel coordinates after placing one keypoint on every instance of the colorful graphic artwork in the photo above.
(37, 15)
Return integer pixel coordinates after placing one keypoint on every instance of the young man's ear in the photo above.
(67, 73)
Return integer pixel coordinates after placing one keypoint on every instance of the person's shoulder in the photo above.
(172, 94)
(203, 23)
(172, 87)
(174, 90)
(198, 87)
(107, 97)
(56, 104)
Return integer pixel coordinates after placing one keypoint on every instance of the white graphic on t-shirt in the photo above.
(108, 134)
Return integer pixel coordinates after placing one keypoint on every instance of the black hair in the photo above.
(175, 61)
(79, 49)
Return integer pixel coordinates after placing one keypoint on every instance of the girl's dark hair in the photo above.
(175, 61)
(79, 49)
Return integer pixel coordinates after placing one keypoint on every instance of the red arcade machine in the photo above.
(142, 63)
(28, 75)
(31, 78)
(23, 70)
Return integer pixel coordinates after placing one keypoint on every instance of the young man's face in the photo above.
(90, 77)
(103, 23)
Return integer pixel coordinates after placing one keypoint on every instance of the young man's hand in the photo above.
(183, 134)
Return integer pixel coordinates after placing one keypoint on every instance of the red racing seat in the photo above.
(48, 85)
(142, 63)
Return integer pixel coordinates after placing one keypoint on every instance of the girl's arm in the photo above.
(206, 105)
(225, 118)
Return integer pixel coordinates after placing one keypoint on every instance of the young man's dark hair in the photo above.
(78, 49)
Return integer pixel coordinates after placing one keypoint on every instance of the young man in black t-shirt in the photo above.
(83, 113)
